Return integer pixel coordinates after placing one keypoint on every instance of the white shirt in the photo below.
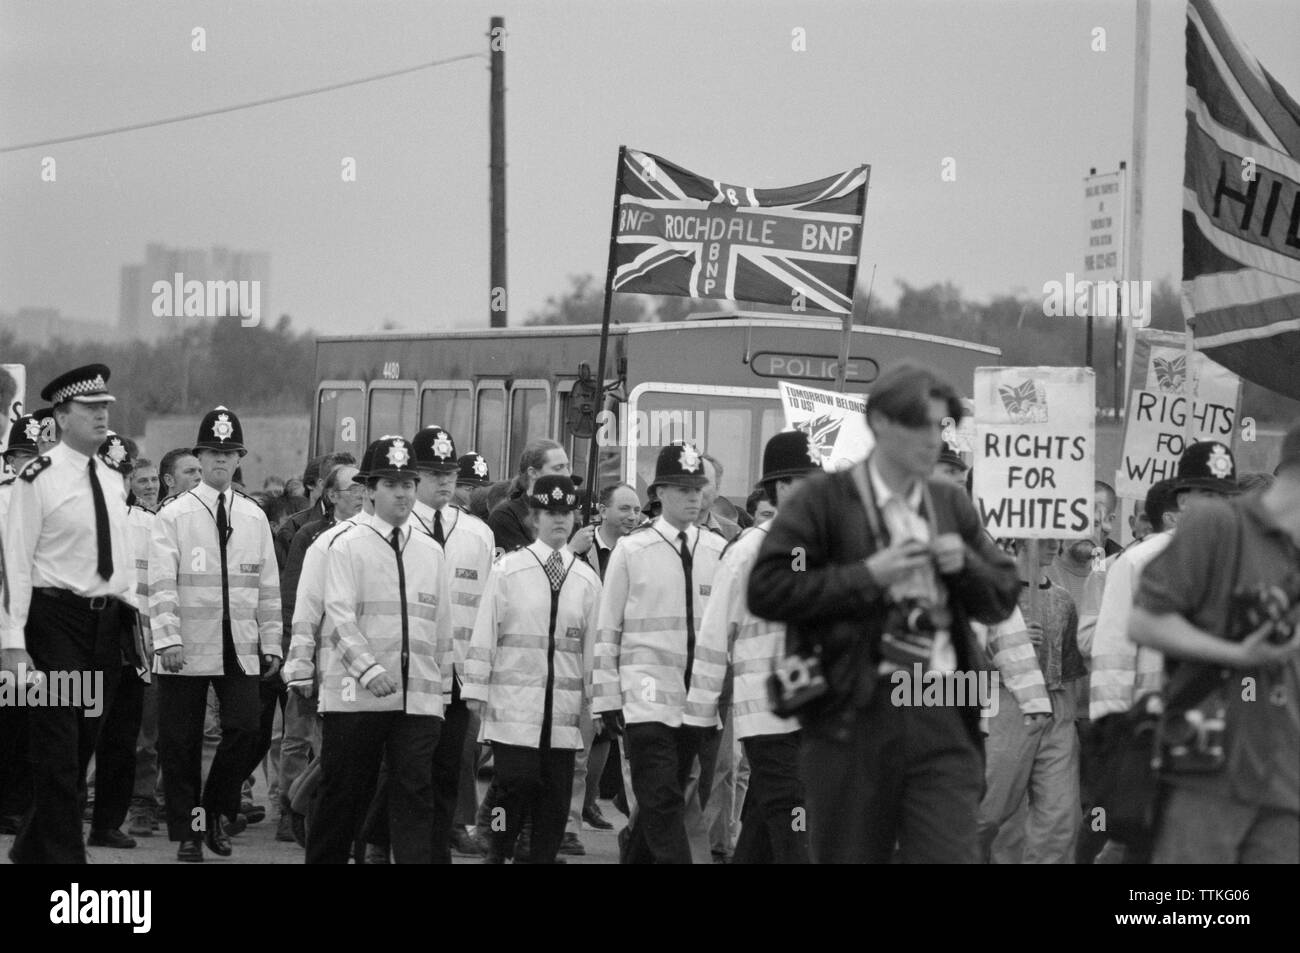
(385, 528)
(669, 532)
(49, 537)
(904, 521)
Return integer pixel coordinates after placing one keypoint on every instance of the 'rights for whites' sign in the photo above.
(1035, 442)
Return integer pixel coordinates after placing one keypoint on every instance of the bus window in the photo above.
(732, 429)
(338, 421)
(392, 413)
(490, 428)
(449, 407)
(527, 417)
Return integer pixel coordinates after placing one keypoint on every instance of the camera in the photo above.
(795, 682)
(910, 627)
(1254, 606)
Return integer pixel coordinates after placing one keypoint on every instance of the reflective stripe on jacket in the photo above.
(309, 609)
(511, 657)
(185, 605)
(469, 551)
(641, 641)
(749, 644)
(1121, 671)
(363, 635)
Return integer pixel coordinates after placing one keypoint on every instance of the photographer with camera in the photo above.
(1225, 595)
(877, 569)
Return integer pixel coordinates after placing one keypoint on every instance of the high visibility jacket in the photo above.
(516, 663)
(642, 647)
(1121, 671)
(749, 645)
(469, 551)
(185, 569)
(381, 621)
(309, 609)
(139, 522)
(1012, 654)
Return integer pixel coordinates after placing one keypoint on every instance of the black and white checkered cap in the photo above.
(86, 385)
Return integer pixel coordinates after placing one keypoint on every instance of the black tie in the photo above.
(687, 562)
(437, 528)
(395, 540)
(103, 541)
(229, 657)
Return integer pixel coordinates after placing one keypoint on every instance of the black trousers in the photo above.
(83, 645)
(115, 752)
(447, 758)
(661, 759)
(906, 775)
(352, 745)
(536, 783)
(446, 786)
(272, 693)
(15, 772)
(182, 704)
(774, 828)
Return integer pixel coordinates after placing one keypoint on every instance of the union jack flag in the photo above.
(1241, 208)
(679, 233)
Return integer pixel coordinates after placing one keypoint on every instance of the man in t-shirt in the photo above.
(1197, 605)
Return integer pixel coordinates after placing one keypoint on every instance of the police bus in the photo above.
(711, 379)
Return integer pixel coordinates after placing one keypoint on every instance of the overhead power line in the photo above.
(228, 109)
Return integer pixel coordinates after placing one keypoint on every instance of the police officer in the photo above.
(215, 612)
(526, 671)
(472, 476)
(468, 546)
(386, 662)
(20, 451)
(15, 782)
(657, 587)
(68, 566)
(115, 749)
(771, 831)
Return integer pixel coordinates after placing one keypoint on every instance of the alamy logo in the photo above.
(208, 299)
(30, 688)
(77, 906)
(1103, 299)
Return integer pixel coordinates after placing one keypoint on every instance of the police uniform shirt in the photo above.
(49, 537)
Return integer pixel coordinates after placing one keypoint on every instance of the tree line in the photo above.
(270, 369)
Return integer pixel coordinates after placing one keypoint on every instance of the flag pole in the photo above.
(1136, 173)
(593, 451)
(842, 369)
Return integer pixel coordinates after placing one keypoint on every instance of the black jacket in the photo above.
(811, 575)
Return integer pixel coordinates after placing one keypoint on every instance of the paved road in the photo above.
(257, 845)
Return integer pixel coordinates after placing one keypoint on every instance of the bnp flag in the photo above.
(1241, 208)
(679, 233)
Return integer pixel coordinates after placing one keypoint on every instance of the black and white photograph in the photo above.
(679, 432)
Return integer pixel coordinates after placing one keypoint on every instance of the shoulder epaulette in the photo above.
(717, 532)
(641, 528)
(165, 500)
(142, 509)
(246, 496)
(34, 468)
(7, 479)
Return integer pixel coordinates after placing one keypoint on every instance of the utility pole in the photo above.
(497, 295)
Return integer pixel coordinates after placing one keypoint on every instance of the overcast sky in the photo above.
(1011, 90)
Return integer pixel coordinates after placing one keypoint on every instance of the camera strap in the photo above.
(874, 517)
